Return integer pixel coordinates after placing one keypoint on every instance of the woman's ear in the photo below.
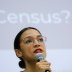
(18, 53)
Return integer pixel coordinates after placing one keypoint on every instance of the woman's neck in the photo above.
(30, 67)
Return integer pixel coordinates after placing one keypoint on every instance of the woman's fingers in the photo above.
(44, 65)
(44, 62)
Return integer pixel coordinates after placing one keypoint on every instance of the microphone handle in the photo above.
(47, 70)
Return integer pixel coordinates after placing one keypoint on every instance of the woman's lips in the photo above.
(38, 51)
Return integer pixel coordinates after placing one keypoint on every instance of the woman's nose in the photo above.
(36, 43)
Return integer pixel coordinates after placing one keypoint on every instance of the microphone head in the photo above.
(39, 56)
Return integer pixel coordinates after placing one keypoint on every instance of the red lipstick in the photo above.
(38, 50)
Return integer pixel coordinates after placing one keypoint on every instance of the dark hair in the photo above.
(17, 43)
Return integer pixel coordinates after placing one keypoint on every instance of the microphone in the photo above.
(39, 57)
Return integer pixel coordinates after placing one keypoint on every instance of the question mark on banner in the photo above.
(67, 15)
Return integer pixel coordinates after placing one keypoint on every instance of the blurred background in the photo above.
(52, 17)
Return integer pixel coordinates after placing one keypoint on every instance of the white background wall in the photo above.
(52, 18)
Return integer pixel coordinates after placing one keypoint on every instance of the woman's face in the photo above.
(31, 42)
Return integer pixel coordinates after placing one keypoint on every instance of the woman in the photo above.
(27, 44)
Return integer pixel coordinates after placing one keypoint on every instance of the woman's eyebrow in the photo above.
(39, 36)
(31, 36)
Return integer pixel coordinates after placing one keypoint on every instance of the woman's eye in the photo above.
(28, 41)
(41, 39)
